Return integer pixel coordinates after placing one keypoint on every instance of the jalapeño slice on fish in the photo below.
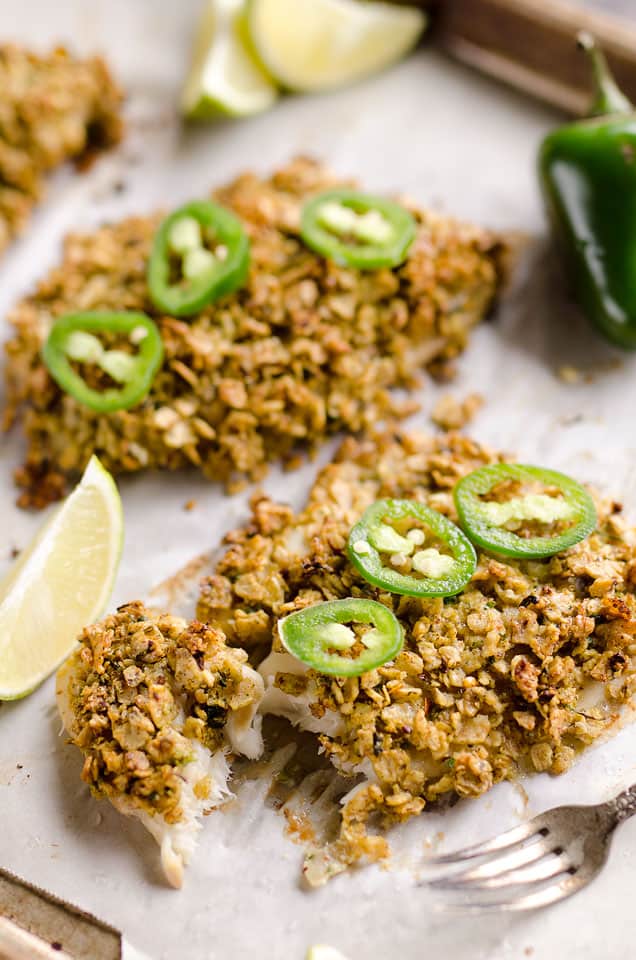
(357, 230)
(408, 548)
(200, 252)
(343, 638)
(75, 346)
(562, 504)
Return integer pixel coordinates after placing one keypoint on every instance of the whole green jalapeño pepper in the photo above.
(200, 252)
(587, 171)
(74, 341)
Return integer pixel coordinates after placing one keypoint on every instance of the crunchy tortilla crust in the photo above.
(54, 108)
(305, 349)
(487, 682)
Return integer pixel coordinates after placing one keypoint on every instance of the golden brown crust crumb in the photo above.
(307, 348)
(451, 413)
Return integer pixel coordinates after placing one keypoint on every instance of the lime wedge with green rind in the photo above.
(225, 79)
(61, 582)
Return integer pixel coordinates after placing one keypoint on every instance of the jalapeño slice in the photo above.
(75, 338)
(404, 563)
(485, 520)
(357, 230)
(324, 636)
(200, 252)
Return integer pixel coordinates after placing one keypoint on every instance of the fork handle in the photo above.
(623, 806)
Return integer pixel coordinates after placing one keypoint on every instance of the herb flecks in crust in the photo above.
(54, 108)
(140, 690)
(158, 705)
(488, 682)
(305, 349)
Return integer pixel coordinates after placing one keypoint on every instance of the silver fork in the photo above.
(540, 862)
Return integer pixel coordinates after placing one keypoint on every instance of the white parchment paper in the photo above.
(460, 144)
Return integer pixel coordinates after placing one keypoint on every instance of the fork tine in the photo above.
(501, 842)
(503, 863)
(530, 901)
(543, 868)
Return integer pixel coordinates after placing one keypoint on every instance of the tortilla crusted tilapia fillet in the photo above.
(53, 108)
(157, 706)
(305, 349)
(488, 683)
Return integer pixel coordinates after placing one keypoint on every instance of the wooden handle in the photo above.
(18, 944)
(531, 44)
(32, 920)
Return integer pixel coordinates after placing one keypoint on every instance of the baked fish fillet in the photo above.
(305, 349)
(157, 705)
(55, 107)
(489, 683)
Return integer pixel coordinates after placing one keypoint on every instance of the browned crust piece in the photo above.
(488, 683)
(305, 349)
(141, 687)
(53, 108)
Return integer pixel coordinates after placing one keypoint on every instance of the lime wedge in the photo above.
(316, 45)
(61, 582)
(224, 79)
(321, 951)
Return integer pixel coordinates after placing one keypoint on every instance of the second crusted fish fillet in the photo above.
(306, 348)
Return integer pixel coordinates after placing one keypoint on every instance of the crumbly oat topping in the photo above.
(452, 413)
(488, 682)
(142, 688)
(53, 108)
(569, 374)
(305, 349)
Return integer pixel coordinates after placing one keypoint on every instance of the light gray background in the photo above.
(460, 144)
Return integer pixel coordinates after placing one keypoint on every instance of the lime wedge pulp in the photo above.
(61, 582)
(321, 951)
(225, 78)
(316, 45)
